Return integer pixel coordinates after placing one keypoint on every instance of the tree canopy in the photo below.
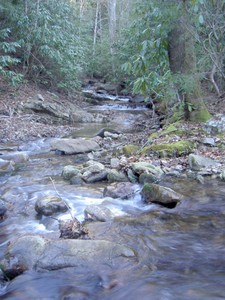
(57, 43)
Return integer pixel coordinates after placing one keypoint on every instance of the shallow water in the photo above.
(180, 252)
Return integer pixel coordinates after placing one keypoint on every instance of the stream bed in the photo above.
(179, 253)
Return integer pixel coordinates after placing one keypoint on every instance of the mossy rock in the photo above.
(129, 150)
(170, 150)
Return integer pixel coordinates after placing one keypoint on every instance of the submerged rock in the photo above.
(35, 252)
(122, 190)
(98, 213)
(49, 205)
(16, 157)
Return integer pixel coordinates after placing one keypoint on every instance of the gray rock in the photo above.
(76, 180)
(198, 162)
(35, 252)
(216, 125)
(49, 205)
(131, 176)
(159, 194)
(222, 175)
(122, 190)
(147, 178)
(209, 141)
(69, 172)
(116, 176)
(114, 163)
(98, 213)
(16, 157)
(74, 146)
(93, 172)
(94, 177)
(144, 167)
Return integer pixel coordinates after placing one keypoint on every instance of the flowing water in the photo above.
(180, 253)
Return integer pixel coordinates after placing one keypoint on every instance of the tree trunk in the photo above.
(182, 61)
(112, 28)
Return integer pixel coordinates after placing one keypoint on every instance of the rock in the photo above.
(94, 177)
(69, 112)
(16, 157)
(98, 213)
(116, 176)
(72, 229)
(49, 205)
(3, 208)
(154, 193)
(209, 142)
(93, 172)
(122, 190)
(81, 117)
(74, 146)
(6, 166)
(111, 135)
(222, 175)
(147, 178)
(34, 252)
(114, 163)
(102, 131)
(131, 176)
(198, 162)
(147, 168)
(215, 126)
(169, 150)
(76, 180)
(69, 172)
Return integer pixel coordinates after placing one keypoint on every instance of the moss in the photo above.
(174, 149)
(153, 136)
(129, 150)
(201, 115)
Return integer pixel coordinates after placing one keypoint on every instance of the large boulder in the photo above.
(154, 193)
(69, 112)
(199, 162)
(122, 190)
(74, 146)
(50, 205)
(35, 252)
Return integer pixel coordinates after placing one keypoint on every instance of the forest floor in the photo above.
(16, 127)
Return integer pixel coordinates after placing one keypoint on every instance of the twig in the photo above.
(67, 205)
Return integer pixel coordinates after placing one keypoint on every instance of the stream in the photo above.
(180, 253)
